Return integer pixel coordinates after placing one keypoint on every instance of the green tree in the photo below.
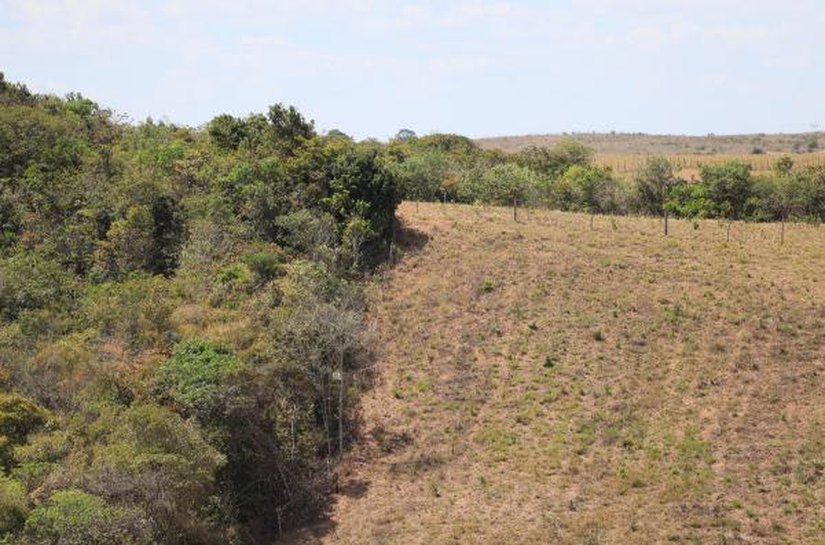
(192, 378)
(507, 183)
(653, 185)
(227, 132)
(168, 230)
(730, 187)
(288, 125)
(553, 162)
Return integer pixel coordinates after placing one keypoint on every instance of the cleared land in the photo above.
(545, 382)
(665, 144)
(626, 153)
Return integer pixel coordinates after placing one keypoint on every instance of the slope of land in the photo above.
(543, 381)
(654, 144)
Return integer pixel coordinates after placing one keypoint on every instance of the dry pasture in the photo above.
(544, 382)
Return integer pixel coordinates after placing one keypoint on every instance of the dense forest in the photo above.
(182, 332)
(182, 323)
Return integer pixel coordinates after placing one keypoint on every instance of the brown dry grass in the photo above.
(688, 166)
(626, 153)
(663, 144)
(542, 382)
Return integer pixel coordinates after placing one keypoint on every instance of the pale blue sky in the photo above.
(481, 68)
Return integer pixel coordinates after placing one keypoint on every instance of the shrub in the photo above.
(730, 187)
(18, 418)
(29, 281)
(74, 517)
(13, 505)
(192, 377)
(264, 265)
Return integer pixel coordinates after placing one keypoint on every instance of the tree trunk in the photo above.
(327, 418)
(728, 238)
(665, 222)
(515, 209)
(341, 388)
(782, 232)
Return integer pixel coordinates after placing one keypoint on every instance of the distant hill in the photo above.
(653, 144)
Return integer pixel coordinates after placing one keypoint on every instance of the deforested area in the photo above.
(553, 380)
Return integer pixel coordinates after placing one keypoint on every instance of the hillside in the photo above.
(653, 144)
(544, 382)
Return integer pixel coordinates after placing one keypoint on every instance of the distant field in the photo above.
(625, 153)
(687, 166)
(652, 144)
(545, 382)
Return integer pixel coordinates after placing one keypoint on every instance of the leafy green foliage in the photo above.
(729, 186)
(18, 418)
(74, 517)
(553, 162)
(116, 242)
(192, 377)
(653, 185)
(13, 505)
(29, 281)
(690, 200)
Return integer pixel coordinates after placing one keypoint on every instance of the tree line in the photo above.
(565, 177)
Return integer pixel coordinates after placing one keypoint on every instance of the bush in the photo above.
(691, 200)
(29, 281)
(149, 456)
(13, 505)
(730, 187)
(264, 265)
(74, 517)
(18, 418)
(192, 377)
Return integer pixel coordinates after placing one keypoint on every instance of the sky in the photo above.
(479, 68)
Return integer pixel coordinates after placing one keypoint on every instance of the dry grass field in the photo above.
(664, 144)
(626, 153)
(543, 381)
(687, 166)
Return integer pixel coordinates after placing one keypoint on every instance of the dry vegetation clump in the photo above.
(545, 382)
